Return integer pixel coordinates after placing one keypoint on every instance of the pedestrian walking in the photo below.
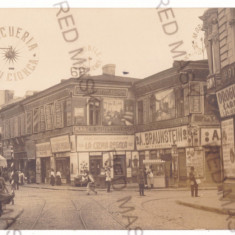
(58, 178)
(16, 179)
(193, 183)
(140, 180)
(108, 179)
(91, 184)
(52, 177)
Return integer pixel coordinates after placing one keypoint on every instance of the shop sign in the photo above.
(163, 138)
(228, 150)
(211, 136)
(226, 101)
(60, 144)
(105, 143)
(43, 150)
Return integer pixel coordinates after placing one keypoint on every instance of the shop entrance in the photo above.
(45, 169)
(63, 165)
(213, 165)
(119, 168)
(95, 165)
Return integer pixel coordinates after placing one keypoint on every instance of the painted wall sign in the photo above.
(226, 101)
(105, 143)
(228, 150)
(43, 149)
(60, 144)
(163, 138)
(111, 92)
(211, 136)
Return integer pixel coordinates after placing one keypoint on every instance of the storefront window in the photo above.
(119, 165)
(94, 112)
(153, 155)
(95, 165)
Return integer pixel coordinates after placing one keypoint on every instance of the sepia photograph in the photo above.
(117, 118)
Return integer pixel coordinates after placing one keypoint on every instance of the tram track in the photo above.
(79, 210)
(40, 214)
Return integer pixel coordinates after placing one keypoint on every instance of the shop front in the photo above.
(101, 151)
(165, 148)
(211, 142)
(60, 160)
(43, 154)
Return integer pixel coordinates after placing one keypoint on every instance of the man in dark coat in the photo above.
(140, 180)
(16, 179)
(193, 182)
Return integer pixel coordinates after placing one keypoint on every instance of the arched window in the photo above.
(94, 112)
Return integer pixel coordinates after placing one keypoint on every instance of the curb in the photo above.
(125, 189)
(205, 208)
(7, 221)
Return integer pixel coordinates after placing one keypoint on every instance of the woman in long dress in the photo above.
(52, 177)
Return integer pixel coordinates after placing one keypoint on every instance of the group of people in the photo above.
(55, 178)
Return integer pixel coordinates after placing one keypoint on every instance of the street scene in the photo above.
(96, 134)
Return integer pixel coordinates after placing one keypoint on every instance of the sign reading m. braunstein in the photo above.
(19, 53)
(226, 101)
(163, 138)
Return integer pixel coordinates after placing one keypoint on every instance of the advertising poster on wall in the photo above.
(226, 101)
(164, 105)
(117, 113)
(228, 147)
(195, 158)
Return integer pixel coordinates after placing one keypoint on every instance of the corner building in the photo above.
(163, 121)
(219, 27)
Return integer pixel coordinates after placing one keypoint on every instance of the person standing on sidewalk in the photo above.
(52, 176)
(108, 179)
(150, 177)
(140, 180)
(193, 183)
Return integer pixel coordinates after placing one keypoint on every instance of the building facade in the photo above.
(219, 27)
(175, 122)
(75, 125)
(164, 122)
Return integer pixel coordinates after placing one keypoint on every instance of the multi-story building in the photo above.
(77, 124)
(163, 121)
(219, 27)
(175, 122)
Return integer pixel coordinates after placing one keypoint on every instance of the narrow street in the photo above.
(73, 210)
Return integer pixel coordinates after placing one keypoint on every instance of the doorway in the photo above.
(45, 169)
(63, 165)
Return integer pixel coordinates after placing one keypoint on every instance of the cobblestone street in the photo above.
(61, 209)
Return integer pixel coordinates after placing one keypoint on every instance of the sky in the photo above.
(132, 39)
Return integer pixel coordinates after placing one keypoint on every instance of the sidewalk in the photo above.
(10, 215)
(211, 203)
(128, 187)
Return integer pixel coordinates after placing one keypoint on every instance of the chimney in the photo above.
(109, 69)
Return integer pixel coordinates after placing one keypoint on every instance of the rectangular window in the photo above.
(94, 112)
(49, 116)
(140, 108)
(29, 122)
(42, 119)
(36, 116)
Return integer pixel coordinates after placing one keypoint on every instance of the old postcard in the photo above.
(117, 118)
